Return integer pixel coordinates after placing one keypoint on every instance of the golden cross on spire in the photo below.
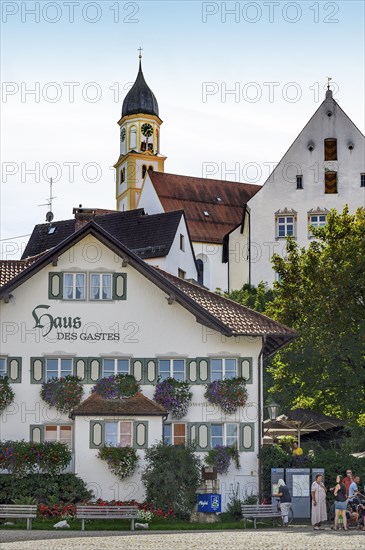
(329, 78)
(140, 52)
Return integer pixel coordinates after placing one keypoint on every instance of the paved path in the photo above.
(303, 539)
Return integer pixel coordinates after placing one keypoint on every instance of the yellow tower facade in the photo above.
(139, 143)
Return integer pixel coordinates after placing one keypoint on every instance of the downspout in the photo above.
(260, 406)
(249, 246)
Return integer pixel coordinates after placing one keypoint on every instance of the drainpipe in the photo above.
(260, 407)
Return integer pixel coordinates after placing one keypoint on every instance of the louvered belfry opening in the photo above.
(330, 149)
(330, 182)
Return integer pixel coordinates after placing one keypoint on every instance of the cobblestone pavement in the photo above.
(303, 539)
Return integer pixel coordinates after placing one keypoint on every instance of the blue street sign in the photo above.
(209, 503)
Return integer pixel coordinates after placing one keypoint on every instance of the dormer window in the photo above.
(206, 213)
(330, 149)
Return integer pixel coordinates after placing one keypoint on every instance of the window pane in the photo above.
(231, 371)
(164, 368)
(51, 368)
(80, 286)
(2, 367)
(314, 219)
(217, 369)
(126, 434)
(111, 433)
(66, 367)
(178, 369)
(107, 287)
(290, 230)
(108, 367)
(179, 434)
(51, 433)
(66, 435)
(217, 434)
(167, 434)
(123, 366)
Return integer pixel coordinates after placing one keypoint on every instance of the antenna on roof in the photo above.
(49, 215)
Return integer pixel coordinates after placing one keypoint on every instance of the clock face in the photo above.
(147, 130)
(122, 134)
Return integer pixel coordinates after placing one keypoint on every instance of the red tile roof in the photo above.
(137, 405)
(11, 268)
(222, 201)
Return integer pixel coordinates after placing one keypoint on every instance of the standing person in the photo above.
(347, 480)
(340, 502)
(285, 501)
(319, 508)
(353, 489)
(297, 451)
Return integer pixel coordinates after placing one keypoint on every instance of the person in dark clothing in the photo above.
(340, 502)
(285, 501)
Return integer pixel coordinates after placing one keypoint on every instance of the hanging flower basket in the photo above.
(220, 458)
(175, 396)
(63, 393)
(6, 394)
(117, 386)
(229, 394)
(122, 461)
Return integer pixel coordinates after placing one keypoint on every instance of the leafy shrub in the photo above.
(44, 488)
(122, 461)
(228, 394)
(171, 478)
(23, 457)
(221, 456)
(118, 385)
(272, 456)
(174, 395)
(6, 394)
(63, 393)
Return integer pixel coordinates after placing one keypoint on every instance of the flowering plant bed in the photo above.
(6, 394)
(122, 461)
(62, 393)
(228, 394)
(174, 395)
(118, 385)
(221, 456)
(61, 510)
(22, 457)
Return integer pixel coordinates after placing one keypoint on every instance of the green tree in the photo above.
(171, 477)
(256, 298)
(321, 293)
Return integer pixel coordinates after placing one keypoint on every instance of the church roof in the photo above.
(212, 207)
(140, 98)
(136, 405)
(148, 236)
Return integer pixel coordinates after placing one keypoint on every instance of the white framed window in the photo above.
(316, 220)
(3, 369)
(223, 368)
(119, 433)
(285, 226)
(58, 366)
(74, 286)
(59, 433)
(224, 434)
(115, 366)
(101, 286)
(172, 368)
(174, 434)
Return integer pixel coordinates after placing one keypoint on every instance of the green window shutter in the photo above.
(138, 369)
(36, 433)
(245, 369)
(247, 436)
(97, 434)
(81, 368)
(14, 369)
(203, 370)
(151, 371)
(199, 434)
(192, 371)
(94, 370)
(55, 286)
(119, 286)
(140, 434)
(37, 370)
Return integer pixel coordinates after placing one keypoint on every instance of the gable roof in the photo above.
(148, 236)
(221, 200)
(11, 268)
(209, 309)
(136, 405)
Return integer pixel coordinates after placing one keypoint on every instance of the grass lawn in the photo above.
(124, 525)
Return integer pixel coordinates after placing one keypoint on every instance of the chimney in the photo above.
(83, 215)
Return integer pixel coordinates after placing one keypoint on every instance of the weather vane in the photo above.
(140, 52)
(329, 78)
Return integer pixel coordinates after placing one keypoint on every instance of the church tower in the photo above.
(139, 142)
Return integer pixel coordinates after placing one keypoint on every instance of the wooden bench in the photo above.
(19, 511)
(259, 511)
(106, 512)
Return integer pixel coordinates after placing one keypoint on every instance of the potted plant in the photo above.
(228, 394)
(6, 394)
(174, 395)
(122, 461)
(221, 456)
(117, 386)
(63, 393)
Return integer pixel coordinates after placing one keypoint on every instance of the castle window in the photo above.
(330, 180)
(330, 149)
(362, 180)
(133, 138)
(285, 226)
(300, 182)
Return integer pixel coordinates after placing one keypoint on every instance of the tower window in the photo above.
(362, 180)
(122, 176)
(300, 182)
(144, 170)
(330, 182)
(330, 149)
(150, 168)
(133, 138)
